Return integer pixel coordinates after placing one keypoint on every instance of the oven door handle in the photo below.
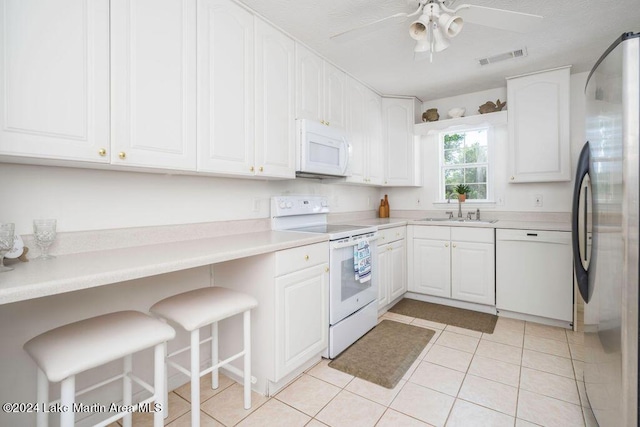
(351, 243)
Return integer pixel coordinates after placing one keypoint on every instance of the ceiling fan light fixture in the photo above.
(418, 31)
(440, 42)
(450, 25)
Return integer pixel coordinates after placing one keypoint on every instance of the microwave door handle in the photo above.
(351, 243)
(346, 163)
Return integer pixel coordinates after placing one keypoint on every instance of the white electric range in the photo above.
(353, 308)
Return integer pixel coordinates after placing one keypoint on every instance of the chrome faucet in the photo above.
(449, 196)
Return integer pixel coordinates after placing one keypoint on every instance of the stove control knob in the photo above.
(282, 204)
(324, 204)
(289, 205)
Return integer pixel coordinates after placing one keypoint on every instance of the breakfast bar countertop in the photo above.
(84, 270)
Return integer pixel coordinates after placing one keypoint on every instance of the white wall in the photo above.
(508, 197)
(87, 199)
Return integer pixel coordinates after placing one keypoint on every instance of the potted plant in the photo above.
(462, 191)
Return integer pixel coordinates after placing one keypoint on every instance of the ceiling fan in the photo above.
(437, 22)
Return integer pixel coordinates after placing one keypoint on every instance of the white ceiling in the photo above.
(573, 32)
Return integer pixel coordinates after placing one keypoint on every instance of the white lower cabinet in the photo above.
(301, 317)
(392, 265)
(301, 306)
(453, 262)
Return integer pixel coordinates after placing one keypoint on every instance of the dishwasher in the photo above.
(534, 274)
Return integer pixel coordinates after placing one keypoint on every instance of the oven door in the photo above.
(346, 294)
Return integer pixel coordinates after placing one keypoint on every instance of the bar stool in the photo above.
(195, 309)
(68, 350)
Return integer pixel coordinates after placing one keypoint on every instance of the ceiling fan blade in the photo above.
(371, 26)
(499, 18)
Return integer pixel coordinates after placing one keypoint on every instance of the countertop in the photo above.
(73, 272)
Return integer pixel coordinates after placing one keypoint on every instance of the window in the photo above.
(464, 159)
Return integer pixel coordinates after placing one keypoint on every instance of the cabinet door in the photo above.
(54, 79)
(473, 272)
(398, 270)
(373, 138)
(225, 88)
(431, 267)
(275, 115)
(153, 70)
(309, 85)
(399, 147)
(355, 131)
(302, 324)
(335, 89)
(384, 274)
(538, 116)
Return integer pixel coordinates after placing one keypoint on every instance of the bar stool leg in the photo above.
(127, 388)
(214, 354)
(247, 359)
(165, 395)
(159, 384)
(67, 397)
(42, 417)
(195, 378)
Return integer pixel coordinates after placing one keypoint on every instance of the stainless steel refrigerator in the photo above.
(605, 234)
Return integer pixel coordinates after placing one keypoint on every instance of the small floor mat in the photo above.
(385, 353)
(468, 319)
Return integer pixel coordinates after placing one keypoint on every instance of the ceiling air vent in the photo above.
(503, 56)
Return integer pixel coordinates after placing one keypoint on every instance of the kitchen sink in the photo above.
(470, 221)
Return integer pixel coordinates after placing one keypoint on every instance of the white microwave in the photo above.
(322, 150)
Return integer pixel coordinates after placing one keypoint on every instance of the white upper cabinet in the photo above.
(364, 134)
(153, 109)
(225, 88)
(538, 110)
(400, 150)
(275, 99)
(54, 79)
(320, 89)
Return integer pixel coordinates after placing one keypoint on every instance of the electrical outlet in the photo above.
(256, 205)
(537, 200)
(418, 203)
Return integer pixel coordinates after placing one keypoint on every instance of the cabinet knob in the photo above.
(513, 178)
(252, 169)
(454, 245)
(322, 121)
(261, 169)
(306, 257)
(122, 155)
(102, 152)
(326, 269)
(327, 123)
(446, 245)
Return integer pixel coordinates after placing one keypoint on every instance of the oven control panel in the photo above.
(298, 205)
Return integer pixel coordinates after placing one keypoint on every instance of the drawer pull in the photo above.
(532, 234)
(306, 257)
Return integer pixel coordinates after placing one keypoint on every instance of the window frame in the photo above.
(489, 163)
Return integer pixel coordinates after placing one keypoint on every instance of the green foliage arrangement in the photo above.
(462, 189)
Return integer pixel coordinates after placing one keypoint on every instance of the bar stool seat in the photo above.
(195, 309)
(68, 350)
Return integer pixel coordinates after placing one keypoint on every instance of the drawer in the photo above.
(302, 257)
(431, 232)
(470, 234)
(389, 235)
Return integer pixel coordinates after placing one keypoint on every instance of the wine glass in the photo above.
(6, 243)
(44, 232)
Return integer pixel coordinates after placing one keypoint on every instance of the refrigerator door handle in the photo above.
(582, 275)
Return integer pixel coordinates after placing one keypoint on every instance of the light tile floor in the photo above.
(524, 374)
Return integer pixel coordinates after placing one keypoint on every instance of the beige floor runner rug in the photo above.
(468, 319)
(385, 353)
